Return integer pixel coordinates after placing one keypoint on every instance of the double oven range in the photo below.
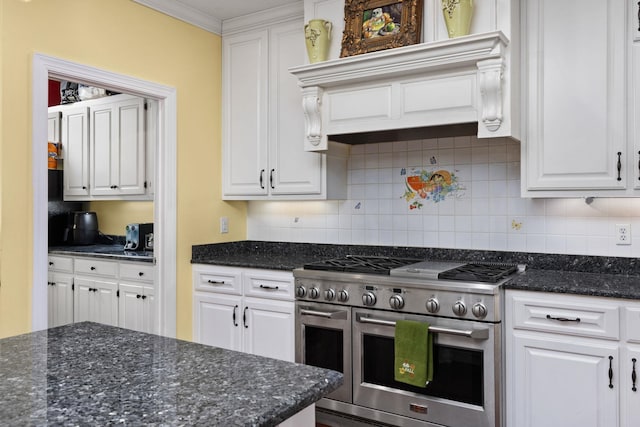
(346, 309)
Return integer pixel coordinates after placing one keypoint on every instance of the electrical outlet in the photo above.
(623, 234)
(224, 224)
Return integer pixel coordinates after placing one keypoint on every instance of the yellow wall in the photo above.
(123, 37)
(113, 216)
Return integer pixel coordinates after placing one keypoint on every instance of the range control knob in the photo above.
(343, 296)
(432, 305)
(369, 299)
(314, 293)
(479, 310)
(396, 302)
(301, 291)
(459, 309)
(329, 295)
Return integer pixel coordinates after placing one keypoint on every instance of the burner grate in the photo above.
(361, 264)
(479, 272)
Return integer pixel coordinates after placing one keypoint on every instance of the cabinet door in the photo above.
(245, 117)
(82, 299)
(292, 170)
(269, 328)
(574, 87)
(75, 146)
(149, 322)
(53, 126)
(131, 307)
(131, 147)
(117, 144)
(106, 303)
(60, 299)
(95, 300)
(630, 386)
(563, 381)
(635, 108)
(217, 321)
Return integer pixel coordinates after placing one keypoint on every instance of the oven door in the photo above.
(323, 339)
(465, 390)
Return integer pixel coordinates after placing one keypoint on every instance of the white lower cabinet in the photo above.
(60, 291)
(95, 300)
(567, 361)
(118, 293)
(246, 310)
(136, 297)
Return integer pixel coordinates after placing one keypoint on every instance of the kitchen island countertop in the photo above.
(93, 374)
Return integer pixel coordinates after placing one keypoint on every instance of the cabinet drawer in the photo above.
(269, 284)
(563, 314)
(226, 280)
(61, 264)
(632, 323)
(96, 267)
(137, 271)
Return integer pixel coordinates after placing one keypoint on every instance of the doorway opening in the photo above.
(47, 67)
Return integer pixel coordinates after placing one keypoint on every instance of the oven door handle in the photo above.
(478, 334)
(325, 314)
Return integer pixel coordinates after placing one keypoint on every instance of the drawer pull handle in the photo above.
(562, 319)
(244, 317)
(273, 288)
(215, 282)
(633, 375)
(610, 371)
(234, 315)
(619, 165)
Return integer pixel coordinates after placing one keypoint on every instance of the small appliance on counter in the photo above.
(85, 228)
(139, 237)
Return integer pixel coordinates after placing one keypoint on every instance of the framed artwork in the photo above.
(372, 25)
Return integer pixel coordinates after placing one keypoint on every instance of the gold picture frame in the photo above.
(372, 25)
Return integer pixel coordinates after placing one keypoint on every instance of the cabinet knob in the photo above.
(140, 273)
(138, 296)
(92, 268)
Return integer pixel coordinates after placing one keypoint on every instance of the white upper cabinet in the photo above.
(576, 104)
(107, 152)
(117, 144)
(263, 121)
(75, 151)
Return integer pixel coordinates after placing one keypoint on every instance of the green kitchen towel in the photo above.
(413, 353)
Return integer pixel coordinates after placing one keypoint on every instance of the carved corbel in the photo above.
(490, 73)
(311, 105)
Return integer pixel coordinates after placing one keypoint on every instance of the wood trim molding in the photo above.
(44, 67)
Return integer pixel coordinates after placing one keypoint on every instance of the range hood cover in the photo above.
(460, 86)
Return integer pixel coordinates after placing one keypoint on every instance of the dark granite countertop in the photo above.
(579, 283)
(586, 275)
(92, 374)
(109, 251)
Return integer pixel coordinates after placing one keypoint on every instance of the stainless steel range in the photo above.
(346, 310)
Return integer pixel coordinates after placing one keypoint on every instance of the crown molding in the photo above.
(264, 18)
(181, 11)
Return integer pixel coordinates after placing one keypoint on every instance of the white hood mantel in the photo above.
(457, 82)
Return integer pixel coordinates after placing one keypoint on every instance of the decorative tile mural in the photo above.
(434, 186)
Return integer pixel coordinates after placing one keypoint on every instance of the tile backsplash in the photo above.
(457, 192)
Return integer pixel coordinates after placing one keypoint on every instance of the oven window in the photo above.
(457, 372)
(323, 348)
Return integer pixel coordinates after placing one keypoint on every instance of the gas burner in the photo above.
(479, 272)
(361, 264)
